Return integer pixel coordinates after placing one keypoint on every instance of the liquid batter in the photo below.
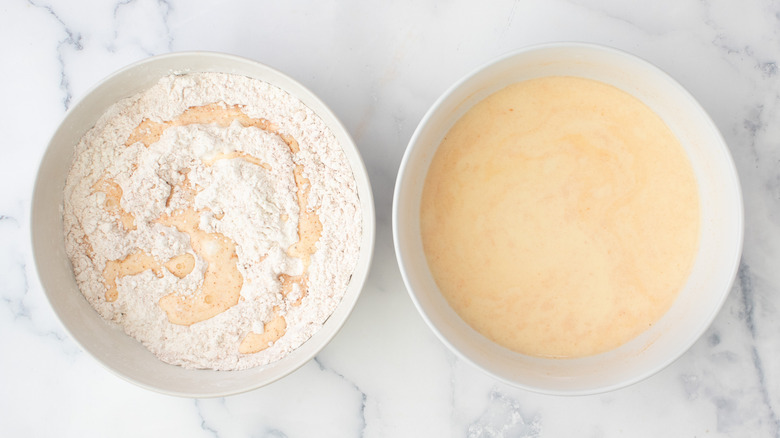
(560, 217)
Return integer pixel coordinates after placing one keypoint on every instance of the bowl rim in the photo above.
(353, 157)
(733, 177)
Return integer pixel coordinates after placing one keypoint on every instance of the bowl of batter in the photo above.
(568, 219)
(202, 224)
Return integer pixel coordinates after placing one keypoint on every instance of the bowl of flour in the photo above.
(202, 224)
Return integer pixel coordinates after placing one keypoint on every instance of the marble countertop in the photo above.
(380, 65)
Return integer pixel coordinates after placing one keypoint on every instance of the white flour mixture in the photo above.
(214, 218)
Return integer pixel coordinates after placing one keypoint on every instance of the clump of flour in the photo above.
(252, 202)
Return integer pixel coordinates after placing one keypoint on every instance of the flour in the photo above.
(122, 199)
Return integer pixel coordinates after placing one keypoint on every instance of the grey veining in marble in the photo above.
(380, 65)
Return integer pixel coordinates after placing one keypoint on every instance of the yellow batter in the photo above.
(560, 217)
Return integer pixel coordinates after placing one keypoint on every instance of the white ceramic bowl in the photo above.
(721, 227)
(111, 346)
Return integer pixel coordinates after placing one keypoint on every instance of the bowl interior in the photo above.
(721, 222)
(111, 346)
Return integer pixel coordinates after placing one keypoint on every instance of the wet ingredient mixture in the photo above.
(215, 218)
(560, 217)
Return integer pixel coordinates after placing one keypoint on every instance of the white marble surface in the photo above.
(380, 65)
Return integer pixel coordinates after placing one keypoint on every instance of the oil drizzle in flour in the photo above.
(222, 281)
(212, 176)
